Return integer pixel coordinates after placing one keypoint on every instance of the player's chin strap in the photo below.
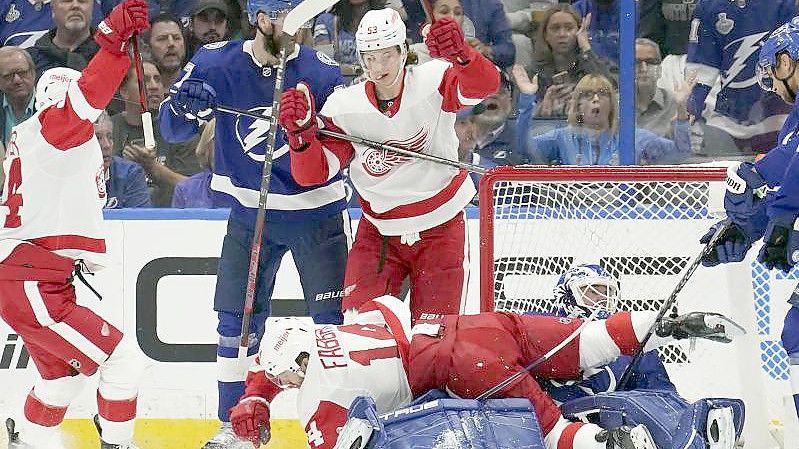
(81, 268)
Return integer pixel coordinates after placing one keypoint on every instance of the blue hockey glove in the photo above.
(781, 243)
(734, 243)
(194, 98)
(745, 192)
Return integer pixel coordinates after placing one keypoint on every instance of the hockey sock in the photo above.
(45, 408)
(116, 419)
(573, 435)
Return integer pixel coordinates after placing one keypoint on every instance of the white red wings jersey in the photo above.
(399, 194)
(54, 189)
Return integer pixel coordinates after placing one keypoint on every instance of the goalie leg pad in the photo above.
(790, 341)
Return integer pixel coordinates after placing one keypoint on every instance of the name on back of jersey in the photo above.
(329, 349)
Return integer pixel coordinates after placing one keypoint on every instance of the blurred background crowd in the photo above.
(697, 97)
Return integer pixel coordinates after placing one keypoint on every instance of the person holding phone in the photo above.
(563, 56)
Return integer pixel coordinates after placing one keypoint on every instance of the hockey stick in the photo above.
(706, 250)
(498, 387)
(366, 142)
(298, 16)
(146, 117)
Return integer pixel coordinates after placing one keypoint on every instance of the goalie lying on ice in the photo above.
(377, 355)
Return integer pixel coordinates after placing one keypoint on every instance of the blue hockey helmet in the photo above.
(585, 288)
(272, 8)
(784, 39)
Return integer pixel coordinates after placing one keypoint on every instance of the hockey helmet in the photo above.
(284, 341)
(784, 39)
(380, 29)
(53, 85)
(272, 8)
(585, 288)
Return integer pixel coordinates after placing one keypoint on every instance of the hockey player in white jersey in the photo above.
(52, 230)
(413, 209)
(375, 355)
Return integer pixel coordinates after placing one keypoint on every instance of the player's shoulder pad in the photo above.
(219, 52)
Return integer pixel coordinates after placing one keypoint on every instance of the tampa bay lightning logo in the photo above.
(252, 134)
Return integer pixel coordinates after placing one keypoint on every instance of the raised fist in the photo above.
(445, 40)
(298, 116)
(250, 420)
(126, 19)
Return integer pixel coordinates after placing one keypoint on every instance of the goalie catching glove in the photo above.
(250, 420)
(298, 117)
(125, 20)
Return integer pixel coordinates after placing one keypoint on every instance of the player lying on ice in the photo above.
(673, 422)
(376, 354)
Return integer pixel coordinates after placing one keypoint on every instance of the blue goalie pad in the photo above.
(436, 420)
(673, 422)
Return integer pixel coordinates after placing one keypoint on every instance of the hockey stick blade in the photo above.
(304, 12)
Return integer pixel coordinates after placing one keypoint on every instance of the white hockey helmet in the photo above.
(52, 86)
(380, 29)
(283, 342)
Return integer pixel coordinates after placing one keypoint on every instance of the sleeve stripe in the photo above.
(80, 105)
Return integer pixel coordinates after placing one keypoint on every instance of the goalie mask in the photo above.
(380, 29)
(585, 288)
(284, 343)
(53, 85)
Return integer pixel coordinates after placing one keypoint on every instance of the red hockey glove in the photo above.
(298, 117)
(126, 18)
(445, 40)
(250, 420)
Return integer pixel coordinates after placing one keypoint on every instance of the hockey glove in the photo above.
(126, 18)
(250, 420)
(445, 40)
(735, 241)
(298, 117)
(193, 98)
(781, 243)
(745, 192)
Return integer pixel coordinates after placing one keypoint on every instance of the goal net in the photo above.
(643, 225)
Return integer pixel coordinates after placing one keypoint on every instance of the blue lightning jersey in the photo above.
(21, 24)
(241, 82)
(780, 167)
(724, 42)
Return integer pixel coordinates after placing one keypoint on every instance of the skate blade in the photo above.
(730, 328)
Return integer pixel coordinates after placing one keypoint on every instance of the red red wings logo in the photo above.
(380, 162)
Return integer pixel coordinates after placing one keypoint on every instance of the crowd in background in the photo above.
(557, 105)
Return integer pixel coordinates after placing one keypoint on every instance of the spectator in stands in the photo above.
(604, 27)
(195, 191)
(25, 21)
(208, 23)
(564, 56)
(591, 138)
(70, 43)
(167, 46)
(17, 74)
(490, 24)
(495, 128)
(166, 164)
(334, 33)
(454, 10)
(668, 23)
(125, 184)
(658, 109)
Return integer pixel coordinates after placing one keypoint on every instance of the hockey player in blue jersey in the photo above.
(752, 215)
(308, 221)
(649, 397)
(723, 45)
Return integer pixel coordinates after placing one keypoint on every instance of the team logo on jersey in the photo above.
(380, 162)
(266, 71)
(724, 24)
(13, 13)
(325, 59)
(214, 45)
(75, 363)
(252, 133)
(99, 178)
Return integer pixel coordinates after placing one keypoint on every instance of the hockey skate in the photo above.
(13, 436)
(103, 444)
(710, 326)
(626, 437)
(225, 438)
(720, 429)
